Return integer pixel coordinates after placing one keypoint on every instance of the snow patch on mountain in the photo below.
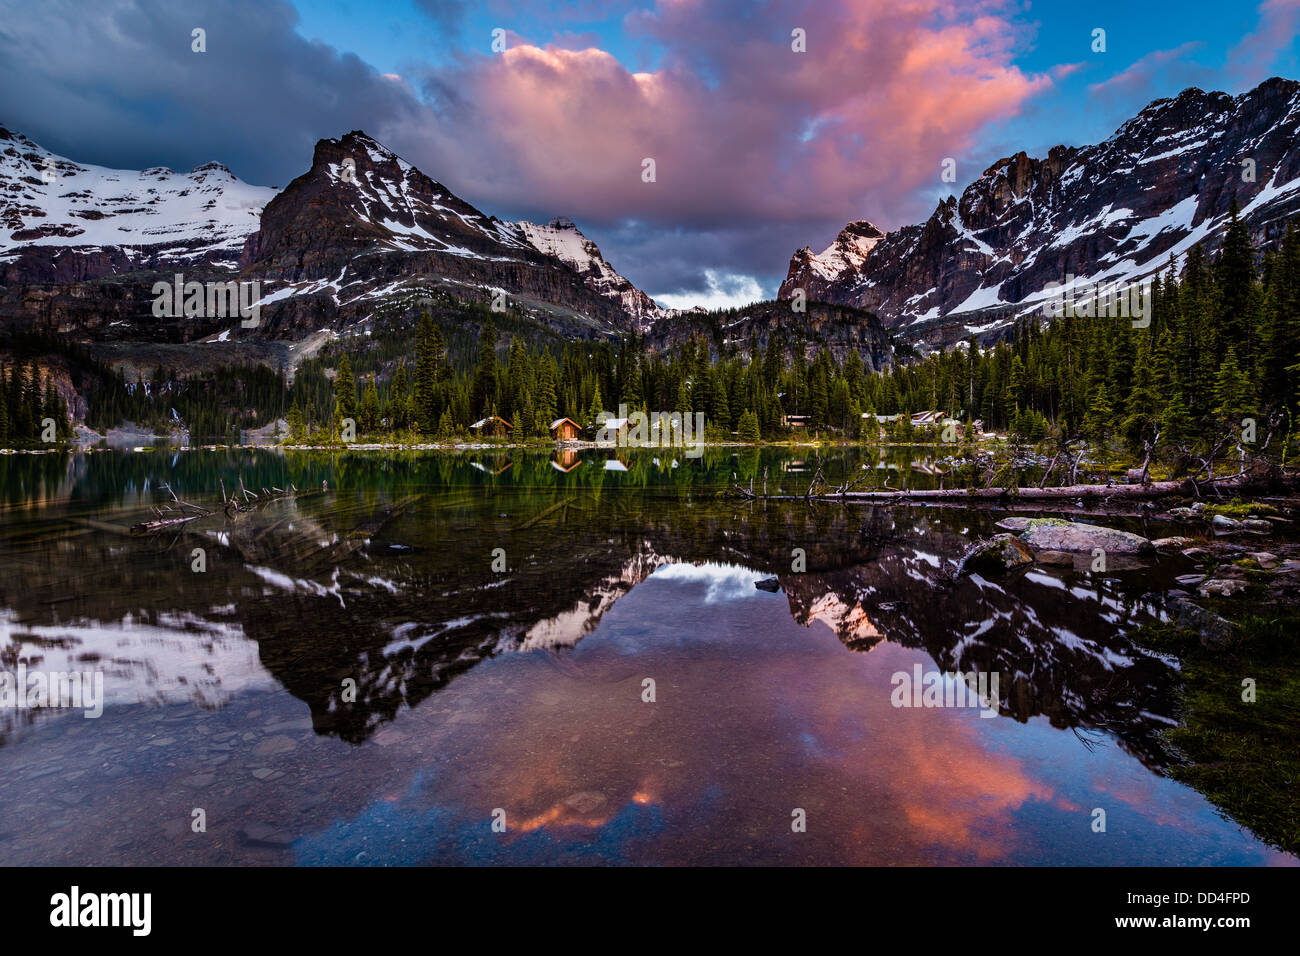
(52, 201)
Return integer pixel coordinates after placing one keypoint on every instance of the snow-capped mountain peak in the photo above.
(1114, 212)
(50, 200)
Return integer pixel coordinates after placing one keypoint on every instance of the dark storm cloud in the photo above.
(117, 84)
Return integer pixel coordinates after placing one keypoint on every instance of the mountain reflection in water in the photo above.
(441, 635)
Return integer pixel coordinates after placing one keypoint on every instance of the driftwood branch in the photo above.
(1154, 489)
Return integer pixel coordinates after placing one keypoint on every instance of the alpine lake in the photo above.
(530, 657)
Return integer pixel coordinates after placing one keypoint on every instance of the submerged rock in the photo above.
(1214, 631)
(1053, 534)
(263, 834)
(1055, 558)
(999, 554)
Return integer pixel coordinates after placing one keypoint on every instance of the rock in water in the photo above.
(1053, 534)
(1221, 587)
(1215, 632)
(999, 554)
(768, 584)
(1055, 558)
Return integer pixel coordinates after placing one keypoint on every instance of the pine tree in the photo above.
(446, 429)
(748, 431)
(483, 393)
(370, 407)
(595, 408)
(398, 400)
(295, 422)
(1233, 393)
(1097, 424)
(345, 392)
(1176, 425)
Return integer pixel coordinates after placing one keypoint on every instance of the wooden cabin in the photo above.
(565, 429)
(494, 426)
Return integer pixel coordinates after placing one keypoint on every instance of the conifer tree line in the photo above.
(28, 399)
(1223, 345)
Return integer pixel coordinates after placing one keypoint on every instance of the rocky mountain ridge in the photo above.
(1115, 212)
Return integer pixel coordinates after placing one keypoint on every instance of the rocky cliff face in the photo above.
(839, 329)
(1113, 212)
(363, 223)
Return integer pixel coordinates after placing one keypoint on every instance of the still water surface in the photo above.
(518, 693)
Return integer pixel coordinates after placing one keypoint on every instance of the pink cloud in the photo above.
(741, 128)
(1141, 77)
(1279, 21)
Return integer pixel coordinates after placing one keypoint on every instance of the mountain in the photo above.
(81, 246)
(62, 221)
(1113, 212)
(839, 329)
(561, 239)
(813, 272)
(362, 224)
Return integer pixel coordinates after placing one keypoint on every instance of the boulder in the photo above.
(1256, 524)
(999, 554)
(1224, 522)
(1162, 544)
(1264, 559)
(1053, 534)
(1214, 631)
(1221, 587)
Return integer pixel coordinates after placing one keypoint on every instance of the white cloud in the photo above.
(726, 290)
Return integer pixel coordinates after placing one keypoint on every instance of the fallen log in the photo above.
(149, 527)
(1154, 489)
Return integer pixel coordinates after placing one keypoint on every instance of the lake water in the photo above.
(431, 642)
